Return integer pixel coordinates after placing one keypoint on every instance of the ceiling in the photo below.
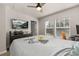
(48, 8)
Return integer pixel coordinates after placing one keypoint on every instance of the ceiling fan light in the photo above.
(38, 8)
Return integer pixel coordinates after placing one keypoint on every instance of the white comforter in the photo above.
(20, 47)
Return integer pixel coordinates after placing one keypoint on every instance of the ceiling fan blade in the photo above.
(32, 6)
(42, 4)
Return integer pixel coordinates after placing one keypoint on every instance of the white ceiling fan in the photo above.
(38, 6)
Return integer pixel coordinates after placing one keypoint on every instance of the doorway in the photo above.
(34, 27)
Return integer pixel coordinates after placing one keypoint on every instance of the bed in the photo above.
(54, 47)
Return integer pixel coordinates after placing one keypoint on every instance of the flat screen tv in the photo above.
(19, 24)
(77, 28)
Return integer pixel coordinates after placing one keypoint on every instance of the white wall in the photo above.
(72, 14)
(11, 14)
(2, 29)
(6, 14)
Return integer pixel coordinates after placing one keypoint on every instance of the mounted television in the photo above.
(19, 24)
(77, 28)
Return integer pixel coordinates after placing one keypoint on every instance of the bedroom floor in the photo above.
(6, 54)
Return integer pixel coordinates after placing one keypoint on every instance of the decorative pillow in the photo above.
(40, 37)
(43, 41)
(75, 49)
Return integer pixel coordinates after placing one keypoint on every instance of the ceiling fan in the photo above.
(38, 6)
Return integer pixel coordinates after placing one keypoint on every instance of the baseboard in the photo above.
(3, 52)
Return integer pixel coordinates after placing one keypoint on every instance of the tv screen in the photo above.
(77, 28)
(19, 24)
